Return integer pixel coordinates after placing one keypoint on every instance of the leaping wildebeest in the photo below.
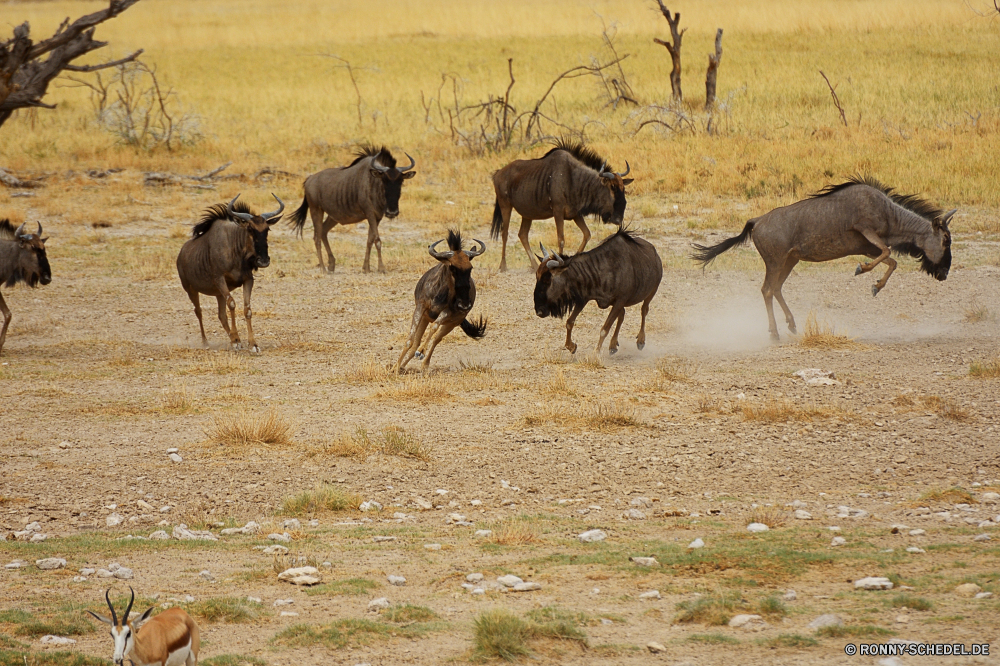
(366, 189)
(226, 248)
(22, 259)
(620, 272)
(171, 638)
(860, 216)
(569, 182)
(444, 295)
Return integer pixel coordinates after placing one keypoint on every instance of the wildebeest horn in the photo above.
(471, 254)
(412, 164)
(20, 233)
(440, 256)
(628, 169)
(379, 167)
(246, 217)
(944, 220)
(281, 204)
(111, 606)
(128, 609)
(545, 253)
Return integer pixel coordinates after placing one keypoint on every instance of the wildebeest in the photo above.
(860, 216)
(366, 189)
(568, 183)
(22, 259)
(226, 247)
(620, 272)
(444, 295)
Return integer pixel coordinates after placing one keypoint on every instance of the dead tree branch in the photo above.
(25, 78)
(836, 100)
(673, 49)
(351, 69)
(713, 71)
(617, 86)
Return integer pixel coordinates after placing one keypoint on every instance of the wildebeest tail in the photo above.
(298, 218)
(474, 330)
(705, 254)
(497, 221)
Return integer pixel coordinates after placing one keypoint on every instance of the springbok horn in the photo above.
(128, 609)
(114, 617)
(268, 216)
(412, 164)
(628, 169)
(471, 254)
(20, 232)
(440, 256)
(246, 217)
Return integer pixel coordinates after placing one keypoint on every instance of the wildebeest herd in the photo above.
(860, 216)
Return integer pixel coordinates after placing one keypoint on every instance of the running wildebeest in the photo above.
(444, 295)
(620, 272)
(22, 259)
(568, 183)
(366, 189)
(226, 247)
(860, 216)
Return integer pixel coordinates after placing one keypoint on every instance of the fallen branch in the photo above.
(10, 180)
(164, 178)
(271, 171)
(213, 172)
(836, 100)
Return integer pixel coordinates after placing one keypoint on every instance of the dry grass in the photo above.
(675, 370)
(152, 265)
(943, 407)
(420, 389)
(985, 369)
(392, 441)
(780, 410)
(125, 354)
(603, 415)
(247, 428)
(822, 336)
(218, 363)
(953, 495)
(324, 497)
(771, 516)
(369, 371)
(175, 400)
(482, 367)
(513, 532)
(706, 404)
(592, 361)
(976, 312)
(558, 385)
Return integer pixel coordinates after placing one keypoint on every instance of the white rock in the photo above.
(166, 509)
(188, 599)
(432, 546)
(917, 532)
(697, 543)
(86, 571)
(478, 590)
(914, 549)
(292, 524)
(16, 564)
(984, 595)
(645, 561)
(591, 536)
(301, 576)
(114, 520)
(123, 573)
(838, 541)
(289, 614)
(441, 491)
(255, 600)
(789, 595)
(636, 514)
(159, 535)
(36, 526)
(378, 604)
(509, 580)
(175, 457)
(802, 514)
(757, 527)
(398, 581)
(50, 563)
(182, 533)
(641, 502)
(652, 594)
(798, 504)
(37, 538)
(56, 640)
(454, 518)
(79, 579)
(275, 550)
(104, 573)
(834, 528)
(982, 537)
(745, 620)
(474, 578)
(655, 648)
(828, 620)
(207, 575)
(315, 522)
(476, 502)
(968, 590)
(284, 537)
(172, 449)
(422, 503)
(283, 602)
(144, 505)
(250, 528)
(370, 505)
(484, 533)
(527, 587)
(873, 583)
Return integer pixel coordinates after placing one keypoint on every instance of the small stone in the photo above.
(789, 595)
(289, 614)
(207, 575)
(144, 505)
(914, 549)
(968, 590)
(984, 595)
(315, 522)
(432, 546)
(375, 605)
(301, 576)
(890, 661)
(828, 620)
(398, 581)
(50, 563)
(509, 580)
(652, 594)
(64, 445)
(645, 561)
(16, 564)
(641, 502)
(799, 504)
(86, 571)
(292, 524)
(697, 543)
(36, 538)
(636, 514)
(188, 599)
(182, 533)
(833, 528)
(592, 536)
(484, 533)
(802, 514)
(655, 648)
(123, 573)
(757, 527)
(114, 520)
(917, 532)
(873, 583)
(454, 518)
(255, 600)
(370, 505)
(838, 541)
(176, 458)
(159, 535)
(56, 640)
(283, 602)
(896, 529)
(172, 449)
(476, 502)
(422, 503)
(478, 590)
(166, 509)
(902, 619)
(275, 550)
(990, 498)
(474, 578)
(527, 587)
(104, 573)
(745, 620)
(383, 539)
(285, 537)
(982, 537)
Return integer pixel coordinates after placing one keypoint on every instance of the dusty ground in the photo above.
(102, 373)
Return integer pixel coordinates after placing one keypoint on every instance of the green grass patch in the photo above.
(712, 639)
(233, 660)
(26, 658)
(8, 643)
(772, 606)
(62, 626)
(855, 631)
(499, 634)
(226, 609)
(789, 641)
(909, 601)
(324, 497)
(15, 616)
(351, 631)
(556, 614)
(348, 586)
(714, 610)
(409, 614)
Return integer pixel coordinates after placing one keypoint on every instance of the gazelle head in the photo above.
(123, 633)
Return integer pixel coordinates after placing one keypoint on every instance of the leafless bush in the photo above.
(675, 118)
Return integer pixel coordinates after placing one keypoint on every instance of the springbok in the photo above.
(169, 639)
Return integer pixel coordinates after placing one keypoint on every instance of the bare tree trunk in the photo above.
(674, 50)
(713, 71)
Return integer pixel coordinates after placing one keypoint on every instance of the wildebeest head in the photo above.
(392, 179)
(553, 297)
(257, 226)
(459, 266)
(934, 249)
(32, 263)
(615, 182)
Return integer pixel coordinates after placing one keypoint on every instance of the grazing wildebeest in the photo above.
(444, 295)
(366, 189)
(168, 639)
(620, 272)
(568, 183)
(860, 216)
(226, 247)
(22, 259)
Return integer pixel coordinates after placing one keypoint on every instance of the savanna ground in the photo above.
(102, 371)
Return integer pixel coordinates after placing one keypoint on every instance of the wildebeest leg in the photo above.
(331, 261)
(770, 277)
(417, 329)
(196, 299)
(505, 216)
(442, 330)
(570, 345)
(640, 340)
(373, 239)
(522, 234)
(880, 285)
(560, 232)
(427, 338)
(786, 270)
(378, 246)
(226, 300)
(319, 232)
(6, 321)
(248, 315)
(617, 312)
(585, 230)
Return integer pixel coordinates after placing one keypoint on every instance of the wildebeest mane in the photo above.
(7, 230)
(385, 158)
(580, 152)
(217, 212)
(910, 202)
(454, 240)
(623, 232)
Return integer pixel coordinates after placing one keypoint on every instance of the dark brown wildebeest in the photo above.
(22, 259)
(860, 216)
(620, 272)
(366, 189)
(568, 183)
(444, 295)
(226, 247)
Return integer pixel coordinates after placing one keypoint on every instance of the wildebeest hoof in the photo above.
(419, 356)
(571, 348)
(859, 270)
(875, 290)
(775, 337)
(612, 350)
(792, 329)
(255, 349)
(640, 345)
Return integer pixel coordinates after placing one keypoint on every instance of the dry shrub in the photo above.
(324, 497)
(513, 532)
(953, 495)
(175, 400)
(420, 389)
(977, 312)
(391, 441)
(605, 415)
(250, 428)
(781, 410)
(985, 370)
(771, 516)
(219, 363)
(369, 371)
(126, 354)
(281, 563)
(943, 407)
(612, 414)
(674, 370)
(592, 361)
(706, 404)
(476, 367)
(817, 336)
(558, 384)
